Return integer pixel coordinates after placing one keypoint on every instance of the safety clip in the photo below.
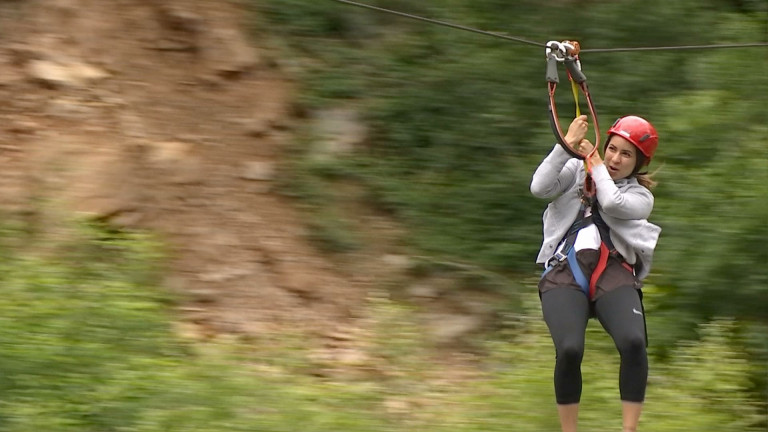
(561, 51)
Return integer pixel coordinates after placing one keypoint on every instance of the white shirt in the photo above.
(587, 238)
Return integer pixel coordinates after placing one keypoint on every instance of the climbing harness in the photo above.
(567, 252)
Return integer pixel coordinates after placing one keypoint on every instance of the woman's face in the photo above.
(620, 157)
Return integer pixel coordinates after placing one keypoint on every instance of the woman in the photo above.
(596, 250)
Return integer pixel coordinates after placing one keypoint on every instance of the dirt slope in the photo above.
(163, 115)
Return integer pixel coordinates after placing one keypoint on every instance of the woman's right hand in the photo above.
(577, 131)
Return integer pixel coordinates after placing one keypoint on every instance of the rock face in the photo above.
(162, 116)
(64, 73)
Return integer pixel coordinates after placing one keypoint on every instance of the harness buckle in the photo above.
(556, 258)
(559, 256)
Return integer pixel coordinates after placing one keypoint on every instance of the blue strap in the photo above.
(578, 275)
(547, 270)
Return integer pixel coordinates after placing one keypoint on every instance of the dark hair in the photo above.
(644, 178)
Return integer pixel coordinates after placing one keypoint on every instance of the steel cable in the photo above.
(538, 44)
(443, 23)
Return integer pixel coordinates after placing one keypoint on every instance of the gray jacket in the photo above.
(625, 206)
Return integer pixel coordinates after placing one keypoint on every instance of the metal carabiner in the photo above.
(563, 49)
(558, 47)
(566, 52)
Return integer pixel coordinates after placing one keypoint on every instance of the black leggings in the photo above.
(566, 312)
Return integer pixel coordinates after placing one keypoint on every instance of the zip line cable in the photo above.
(677, 47)
(529, 42)
(442, 23)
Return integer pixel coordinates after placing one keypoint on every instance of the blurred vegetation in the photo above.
(90, 343)
(458, 124)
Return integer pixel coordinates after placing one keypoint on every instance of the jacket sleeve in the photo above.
(556, 173)
(633, 203)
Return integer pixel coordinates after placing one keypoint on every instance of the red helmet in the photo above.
(639, 132)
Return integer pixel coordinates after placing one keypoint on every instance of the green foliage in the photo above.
(88, 344)
(707, 382)
(311, 18)
(706, 387)
(458, 125)
(710, 205)
(333, 233)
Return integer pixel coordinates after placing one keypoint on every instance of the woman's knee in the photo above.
(632, 346)
(570, 353)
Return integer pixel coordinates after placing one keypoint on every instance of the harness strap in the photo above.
(602, 263)
(602, 227)
(578, 274)
(567, 251)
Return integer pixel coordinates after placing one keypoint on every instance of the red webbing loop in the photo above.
(566, 52)
(602, 263)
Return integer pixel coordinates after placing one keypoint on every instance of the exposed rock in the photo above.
(340, 335)
(191, 331)
(68, 109)
(177, 18)
(203, 295)
(224, 274)
(177, 159)
(339, 131)
(397, 406)
(181, 28)
(127, 219)
(352, 357)
(258, 127)
(258, 171)
(229, 53)
(453, 328)
(22, 53)
(64, 74)
(132, 125)
(163, 152)
(23, 127)
(103, 207)
(302, 284)
(398, 263)
(423, 291)
(128, 128)
(8, 73)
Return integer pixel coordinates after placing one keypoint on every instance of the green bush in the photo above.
(458, 124)
(88, 344)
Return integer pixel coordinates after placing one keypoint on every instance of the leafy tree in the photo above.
(459, 124)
